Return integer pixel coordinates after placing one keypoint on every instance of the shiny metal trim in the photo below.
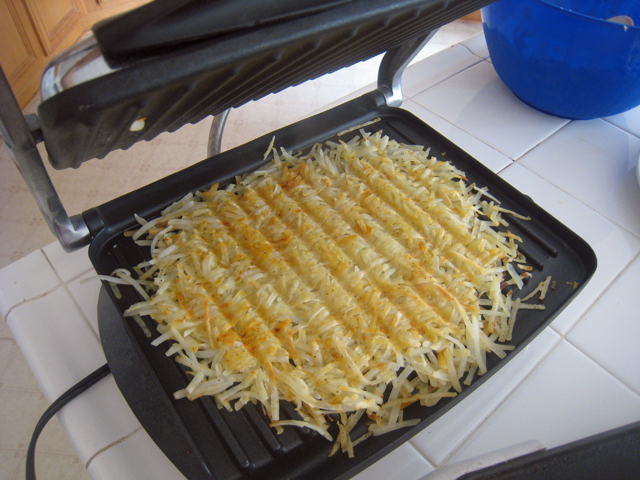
(78, 64)
(214, 146)
(392, 67)
(71, 232)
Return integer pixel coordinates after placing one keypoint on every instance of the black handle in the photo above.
(166, 24)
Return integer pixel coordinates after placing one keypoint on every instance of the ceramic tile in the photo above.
(404, 463)
(628, 121)
(439, 439)
(614, 246)
(482, 152)
(477, 45)
(436, 68)
(85, 290)
(135, 457)
(608, 332)
(355, 94)
(100, 416)
(455, 32)
(457, 470)
(568, 397)
(97, 419)
(67, 265)
(42, 338)
(17, 288)
(479, 103)
(596, 163)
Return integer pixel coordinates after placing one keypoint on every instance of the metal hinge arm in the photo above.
(16, 131)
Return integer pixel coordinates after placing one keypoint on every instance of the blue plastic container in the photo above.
(563, 57)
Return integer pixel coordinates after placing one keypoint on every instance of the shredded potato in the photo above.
(353, 281)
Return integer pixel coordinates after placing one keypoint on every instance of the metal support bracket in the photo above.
(214, 147)
(20, 139)
(392, 67)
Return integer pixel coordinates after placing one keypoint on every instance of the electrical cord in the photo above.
(60, 402)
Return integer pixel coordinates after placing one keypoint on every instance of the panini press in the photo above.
(173, 62)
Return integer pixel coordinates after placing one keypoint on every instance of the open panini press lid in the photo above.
(174, 62)
(178, 69)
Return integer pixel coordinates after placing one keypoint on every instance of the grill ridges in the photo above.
(107, 107)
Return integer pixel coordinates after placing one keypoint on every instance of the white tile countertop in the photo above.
(579, 377)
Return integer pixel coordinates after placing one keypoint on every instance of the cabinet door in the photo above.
(31, 33)
(21, 50)
(57, 23)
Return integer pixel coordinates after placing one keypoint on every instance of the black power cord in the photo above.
(60, 402)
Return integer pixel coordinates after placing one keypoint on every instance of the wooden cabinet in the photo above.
(55, 23)
(32, 32)
(474, 17)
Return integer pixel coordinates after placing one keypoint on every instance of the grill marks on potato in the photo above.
(324, 279)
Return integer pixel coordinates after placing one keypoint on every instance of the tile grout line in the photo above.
(84, 317)
(535, 367)
(580, 201)
(65, 284)
(480, 60)
(570, 329)
(107, 447)
(42, 295)
(460, 128)
(29, 300)
(636, 135)
(554, 132)
(590, 305)
(549, 135)
(469, 50)
(564, 191)
(604, 369)
(562, 337)
(606, 288)
(422, 454)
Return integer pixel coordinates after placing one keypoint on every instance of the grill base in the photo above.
(204, 442)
